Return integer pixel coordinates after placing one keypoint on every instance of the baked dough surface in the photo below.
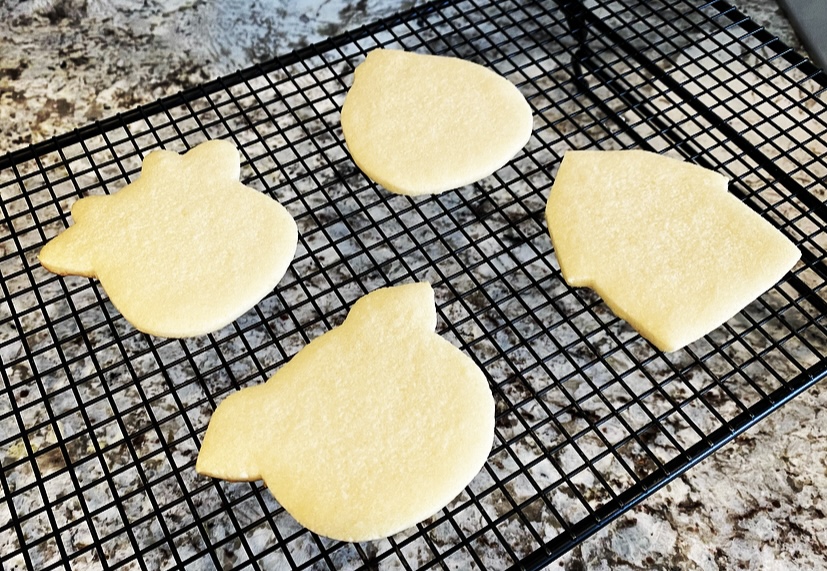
(372, 427)
(423, 124)
(662, 242)
(185, 249)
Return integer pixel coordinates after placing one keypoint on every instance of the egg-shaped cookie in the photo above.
(423, 124)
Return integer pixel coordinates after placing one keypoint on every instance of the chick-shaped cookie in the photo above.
(185, 249)
(369, 429)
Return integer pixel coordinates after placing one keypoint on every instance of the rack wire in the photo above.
(100, 425)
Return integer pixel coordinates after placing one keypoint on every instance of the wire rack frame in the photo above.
(100, 425)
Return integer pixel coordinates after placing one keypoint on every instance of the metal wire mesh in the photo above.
(100, 425)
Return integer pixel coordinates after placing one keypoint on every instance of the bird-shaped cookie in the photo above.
(371, 428)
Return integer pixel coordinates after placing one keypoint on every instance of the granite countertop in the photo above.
(759, 503)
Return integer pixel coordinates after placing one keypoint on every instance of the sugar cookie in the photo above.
(185, 249)
(662, 241)
(369, 429)
(423, 124)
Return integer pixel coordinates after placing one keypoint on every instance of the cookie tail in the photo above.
(230, 446)
(68, 254)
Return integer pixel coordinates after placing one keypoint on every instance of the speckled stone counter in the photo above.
(759, 503)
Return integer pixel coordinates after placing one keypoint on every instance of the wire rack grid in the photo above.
(100, 425)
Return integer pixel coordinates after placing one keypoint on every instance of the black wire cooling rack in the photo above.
(100, 425)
